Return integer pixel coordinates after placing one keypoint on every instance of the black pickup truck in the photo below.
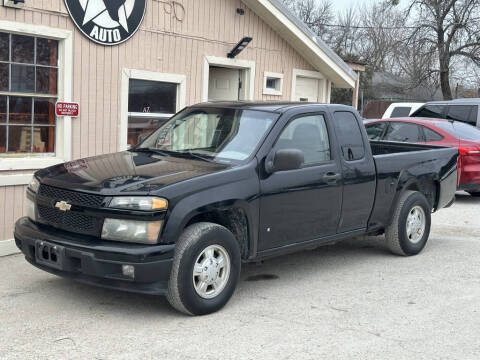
(224, 183)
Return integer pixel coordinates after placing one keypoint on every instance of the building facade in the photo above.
(183, 52)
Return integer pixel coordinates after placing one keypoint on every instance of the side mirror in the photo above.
(283, 160)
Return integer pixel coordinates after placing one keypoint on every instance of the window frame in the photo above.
(329, 132)
(272, 75)
(127, 74)
(63, 148)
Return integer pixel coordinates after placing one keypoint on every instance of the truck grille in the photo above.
(69, 220)
(73, 197)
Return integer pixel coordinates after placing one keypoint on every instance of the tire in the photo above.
(404, 241)
(474, 193)
(204, 244)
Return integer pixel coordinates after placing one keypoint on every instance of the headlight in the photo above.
(34, 184)
(145, 232)
(146, 203)
(29, 208)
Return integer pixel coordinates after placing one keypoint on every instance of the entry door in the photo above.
(303, 204)
(306, 89)
(223, 84)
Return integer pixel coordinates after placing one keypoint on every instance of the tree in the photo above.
(315, 14)
(453, 28)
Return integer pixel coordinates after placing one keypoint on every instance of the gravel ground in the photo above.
(350, 300)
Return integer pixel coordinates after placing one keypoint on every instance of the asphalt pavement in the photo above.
(352, 300)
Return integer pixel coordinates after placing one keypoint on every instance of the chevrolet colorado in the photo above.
(224, 183)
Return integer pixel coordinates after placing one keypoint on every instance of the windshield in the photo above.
(460, 130)
(212, 133)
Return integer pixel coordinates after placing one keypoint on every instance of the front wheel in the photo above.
(410, 227)
(205, 270)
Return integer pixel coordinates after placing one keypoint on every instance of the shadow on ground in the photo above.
(306, 264)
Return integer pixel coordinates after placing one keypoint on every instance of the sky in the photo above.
(340, 5)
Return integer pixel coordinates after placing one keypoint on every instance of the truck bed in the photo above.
(398, 163)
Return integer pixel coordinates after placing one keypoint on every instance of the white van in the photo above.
(397, 110)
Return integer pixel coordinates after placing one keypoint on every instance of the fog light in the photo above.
(129, 271)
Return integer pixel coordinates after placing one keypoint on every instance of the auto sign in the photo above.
(107, 22)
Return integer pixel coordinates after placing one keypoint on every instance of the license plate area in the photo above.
(49, 254)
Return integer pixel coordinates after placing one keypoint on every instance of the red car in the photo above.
(437, 132)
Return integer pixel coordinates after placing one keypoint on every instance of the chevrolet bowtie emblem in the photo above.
(63, 206)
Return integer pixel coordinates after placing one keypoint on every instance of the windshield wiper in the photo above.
(198, 156)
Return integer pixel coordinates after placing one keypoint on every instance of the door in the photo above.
(223, 84)
(358, 172)
(305, 203)
(306, 89)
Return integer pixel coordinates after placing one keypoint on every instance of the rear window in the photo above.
(461, 130)
(463, 113)
(349, 136)
(401, 111)
(403, 132)
(430, 111)
(431, 135)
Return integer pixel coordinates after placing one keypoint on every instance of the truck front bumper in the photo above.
(94, 261)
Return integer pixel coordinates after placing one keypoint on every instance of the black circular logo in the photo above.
(107, 22)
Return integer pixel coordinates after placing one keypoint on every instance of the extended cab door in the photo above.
(302, 204)
(358, 171)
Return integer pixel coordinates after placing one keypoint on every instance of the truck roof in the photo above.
(464, 101)
(272, 106)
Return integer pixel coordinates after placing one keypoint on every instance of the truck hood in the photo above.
(125, 172)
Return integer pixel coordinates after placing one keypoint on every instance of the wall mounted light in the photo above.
(14, 3)
(242, 44)
(240, 11)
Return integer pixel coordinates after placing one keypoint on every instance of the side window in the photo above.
(308, 134)
(430, 111)
(431, 135)
(375, 131)
(460, 113)
(401, 111)
(349, 135)
(404, 132)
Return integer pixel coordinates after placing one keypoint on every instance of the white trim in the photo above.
(323, 96)
(247, 65)
(63, 133)
(128, 74)
(301, 42)
(267, 91)
(8, 247)
(16, 179)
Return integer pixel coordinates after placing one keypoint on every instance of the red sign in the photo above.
(67, 109)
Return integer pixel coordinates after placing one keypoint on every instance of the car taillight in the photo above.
(469, 151)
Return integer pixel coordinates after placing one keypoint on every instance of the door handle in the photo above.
(331, 177)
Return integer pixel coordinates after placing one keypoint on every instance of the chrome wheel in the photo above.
(211, 271)
(416, 224)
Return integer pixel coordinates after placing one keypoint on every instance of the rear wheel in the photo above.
(410, 227)
(474, 193)
(205, 270)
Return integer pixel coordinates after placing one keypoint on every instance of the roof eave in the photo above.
(303, 40)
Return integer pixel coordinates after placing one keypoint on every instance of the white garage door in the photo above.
(223, 83)
(306, 89)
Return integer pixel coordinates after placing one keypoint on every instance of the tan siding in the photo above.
(163, 44)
